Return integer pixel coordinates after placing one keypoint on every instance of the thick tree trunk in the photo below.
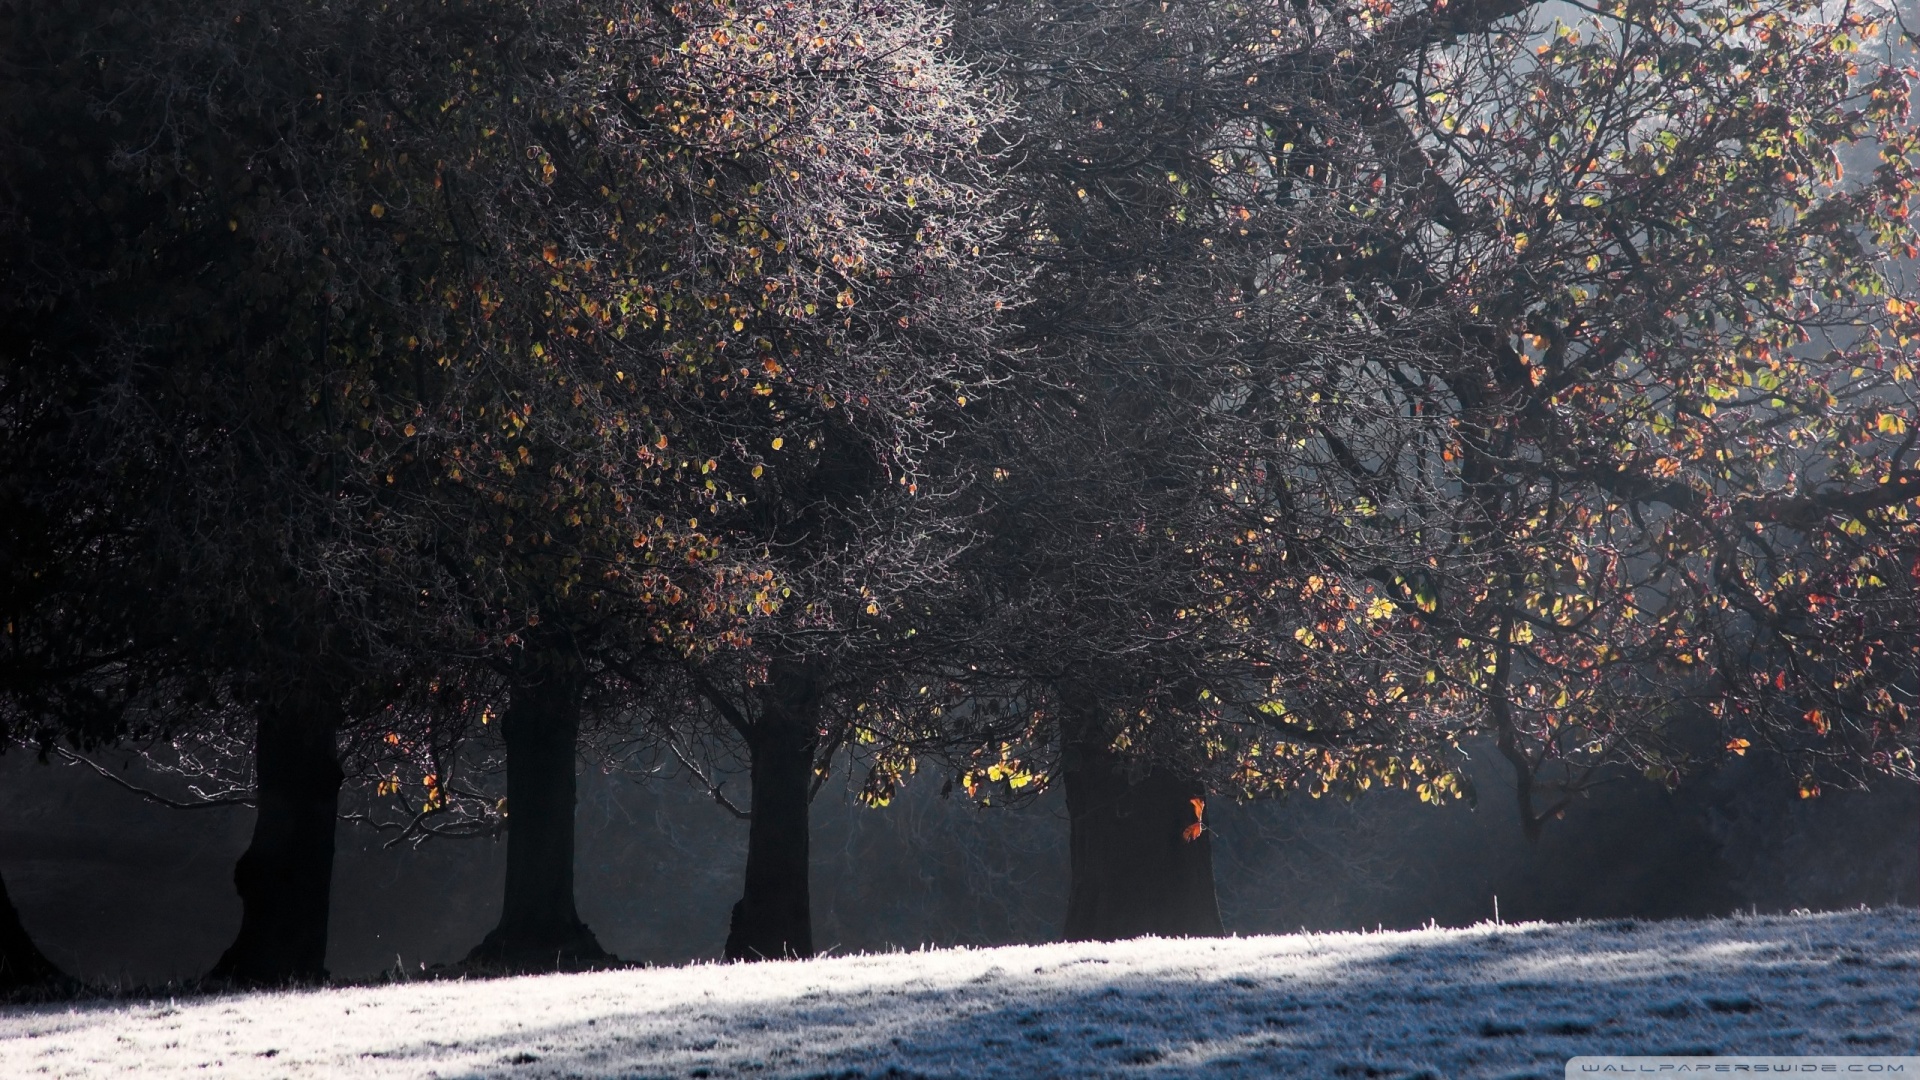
(774, 917)
(285, 877)
(540, 929)
(24, 970)
(1137, 865)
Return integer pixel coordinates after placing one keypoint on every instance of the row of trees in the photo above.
(1165, 401)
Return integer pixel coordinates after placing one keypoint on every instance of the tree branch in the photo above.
(719, 700)
(713, 789)
(151, 796)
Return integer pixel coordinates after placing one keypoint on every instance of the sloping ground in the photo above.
(1487, 1001)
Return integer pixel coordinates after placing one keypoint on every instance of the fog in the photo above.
(125, 892)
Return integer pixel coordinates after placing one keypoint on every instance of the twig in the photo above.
(152, 796)
(713, 789)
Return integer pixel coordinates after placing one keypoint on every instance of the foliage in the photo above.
(1655, 449)
(1282, 392)
(1427, 371)
(461, 329)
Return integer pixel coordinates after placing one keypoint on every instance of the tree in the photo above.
(804, 179)
(1657, 392)
(75, 661)
(1102, 488)
(866, 165)
(230, 297)
(1319, 471)
(486, 301)
(780, 207)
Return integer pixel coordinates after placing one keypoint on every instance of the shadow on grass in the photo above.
(1506, 1002)
(1500, 1002)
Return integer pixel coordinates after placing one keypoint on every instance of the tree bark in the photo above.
(24, 969)
(1137, 866)
(774, 917)
(540, 928)
(285, 877)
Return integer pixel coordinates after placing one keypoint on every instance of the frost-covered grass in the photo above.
(1486, 1001)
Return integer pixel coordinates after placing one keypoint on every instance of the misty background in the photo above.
(121, 891)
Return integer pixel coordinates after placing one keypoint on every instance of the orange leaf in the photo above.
(1193, 831)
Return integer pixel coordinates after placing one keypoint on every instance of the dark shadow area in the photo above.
(125, 892)
(1738, 838)
(113, 889)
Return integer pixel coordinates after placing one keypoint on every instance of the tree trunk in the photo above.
(540, 929)
(774, 917)
(24, 970)
(286, 875)
(1137, 865)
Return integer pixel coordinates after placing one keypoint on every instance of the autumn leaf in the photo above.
(1193, 831)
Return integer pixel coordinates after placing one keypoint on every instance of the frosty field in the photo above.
(1484, 1001)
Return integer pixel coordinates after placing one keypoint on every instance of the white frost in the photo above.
(1485, 1001)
